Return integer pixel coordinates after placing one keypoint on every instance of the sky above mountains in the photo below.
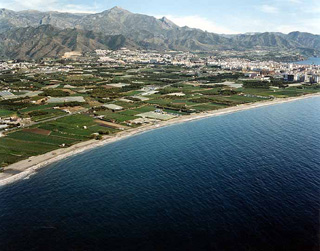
(227, 16)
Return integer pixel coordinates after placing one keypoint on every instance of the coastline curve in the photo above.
(30, 166)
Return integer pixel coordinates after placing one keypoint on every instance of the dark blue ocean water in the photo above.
(310, 61)
(244, 181)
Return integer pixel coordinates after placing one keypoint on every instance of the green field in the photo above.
(5, 113)
(13, 150)
(69, 130)
(93, 82)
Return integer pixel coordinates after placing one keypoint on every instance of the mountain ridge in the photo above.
(137, 31)
(49, 41)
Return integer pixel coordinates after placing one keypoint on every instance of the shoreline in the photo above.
(28, 167)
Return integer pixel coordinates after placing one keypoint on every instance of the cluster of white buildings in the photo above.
(12, 65)
(12, 122)
(262, 70)
(124, 56)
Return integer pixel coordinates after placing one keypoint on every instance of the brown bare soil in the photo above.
(38, 131)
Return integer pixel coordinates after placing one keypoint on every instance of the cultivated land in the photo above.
(25, 168)
(143, 97)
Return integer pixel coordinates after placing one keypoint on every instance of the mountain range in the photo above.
(33, 35)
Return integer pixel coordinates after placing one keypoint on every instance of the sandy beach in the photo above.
(25, 168)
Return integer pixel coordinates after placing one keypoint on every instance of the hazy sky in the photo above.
(221, 16)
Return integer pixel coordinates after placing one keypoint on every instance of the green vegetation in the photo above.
(65, 131)
(5, 113)
(38, 113)
(55, 93)
(175, 90)
(256, 84)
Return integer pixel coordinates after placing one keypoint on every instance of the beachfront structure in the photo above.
(60, 100)
(113, 107)
(6, 95)
(140, 98)
(118, 85)
(158, 114)
(3, 126)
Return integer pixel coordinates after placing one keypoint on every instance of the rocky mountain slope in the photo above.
(48, 41)
(34, 34)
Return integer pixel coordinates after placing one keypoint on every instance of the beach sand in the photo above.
(25, 168)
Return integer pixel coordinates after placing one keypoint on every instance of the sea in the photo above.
(309, 61)
(243, 181)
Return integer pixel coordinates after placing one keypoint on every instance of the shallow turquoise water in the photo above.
(243, 181)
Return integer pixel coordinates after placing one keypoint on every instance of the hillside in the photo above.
(48, 41)
(34, 34)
